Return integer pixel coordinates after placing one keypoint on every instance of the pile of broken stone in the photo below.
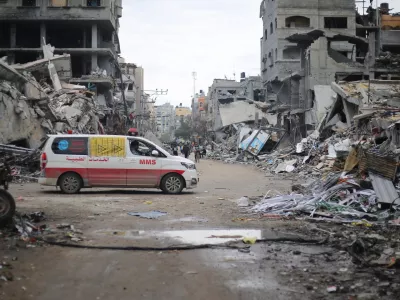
(72, 107)
(34, 105)
(345, 175)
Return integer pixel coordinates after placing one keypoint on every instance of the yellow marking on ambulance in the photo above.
(107, 146)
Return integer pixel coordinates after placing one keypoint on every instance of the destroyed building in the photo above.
(89, 35)
(129, 85)
(224, 93)
(58, 68)
(280, 57)
(324, 49)
(282, 64)
(89, 31)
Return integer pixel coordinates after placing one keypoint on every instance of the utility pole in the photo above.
(194, 75)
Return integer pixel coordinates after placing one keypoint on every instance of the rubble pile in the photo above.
(24, 162)
(71, 108)
(358, 178)
(347, 166)
(38, 98)
(339, 198)
(29, 230)
(388, 60)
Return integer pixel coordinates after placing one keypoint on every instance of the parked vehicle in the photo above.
(73, 162)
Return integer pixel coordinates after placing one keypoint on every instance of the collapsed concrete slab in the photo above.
(10, 74)
(62, 64)
(240, 112)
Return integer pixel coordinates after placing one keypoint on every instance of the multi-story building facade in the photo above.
(181, 114)
(305, 46)
(86, 29)
(308, 45)
(129, 83)
(199, 106)
(141, 98)
(280, 58)
(165, 118)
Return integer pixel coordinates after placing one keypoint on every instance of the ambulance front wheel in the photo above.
(172, 184)
(70, 183)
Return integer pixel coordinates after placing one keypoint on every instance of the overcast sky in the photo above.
(172, 38)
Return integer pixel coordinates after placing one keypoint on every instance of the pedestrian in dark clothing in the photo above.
(174, 147)
(186, 151)
(175, 151)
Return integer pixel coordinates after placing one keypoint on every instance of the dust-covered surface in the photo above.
(293, 259)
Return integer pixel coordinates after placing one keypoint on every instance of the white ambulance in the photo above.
(73, 162)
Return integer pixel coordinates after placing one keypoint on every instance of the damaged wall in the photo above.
(18, 121)
(323, 68)
(279, 57)
(324, 98)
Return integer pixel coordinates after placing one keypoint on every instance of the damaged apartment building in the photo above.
(84, 34)
(308, 45)
(230, 101)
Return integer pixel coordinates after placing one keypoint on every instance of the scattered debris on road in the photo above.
(148, 215)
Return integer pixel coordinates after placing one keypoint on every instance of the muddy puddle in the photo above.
(188, 237)
(187, 219)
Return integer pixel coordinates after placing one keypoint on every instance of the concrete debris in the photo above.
(154, 214)
(29, 229)
(62, 64)
(338, 198)
(49, 101)
(347, 166)
(24, 162)
(239, 112)
(243, 202)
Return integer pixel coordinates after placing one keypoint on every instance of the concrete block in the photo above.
(60, 127)
(40, 112)
(71, 115)
(32, 90)
(54, 77)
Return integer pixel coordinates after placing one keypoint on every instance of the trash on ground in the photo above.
(155, 214)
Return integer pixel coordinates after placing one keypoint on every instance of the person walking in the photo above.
(174, 147)
(186, 150)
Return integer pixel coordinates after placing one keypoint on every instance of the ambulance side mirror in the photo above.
(155, 153)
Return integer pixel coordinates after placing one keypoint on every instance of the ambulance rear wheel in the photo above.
(7, 207)
(172, 184)
(70, 183)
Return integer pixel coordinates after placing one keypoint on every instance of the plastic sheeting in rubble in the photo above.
(336, 198)
(255, 142)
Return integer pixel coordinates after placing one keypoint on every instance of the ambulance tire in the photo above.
(70, 183)
(7, 207)
(172, 184)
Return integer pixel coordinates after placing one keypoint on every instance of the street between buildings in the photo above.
(280, 267)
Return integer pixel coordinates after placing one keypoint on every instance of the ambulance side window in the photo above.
(141, 148)
(70, 146)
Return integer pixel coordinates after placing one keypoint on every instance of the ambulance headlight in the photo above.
(189, 166)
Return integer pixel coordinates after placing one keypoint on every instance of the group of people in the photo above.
(187, 148)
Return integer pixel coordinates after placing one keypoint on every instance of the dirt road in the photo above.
(269, 271)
